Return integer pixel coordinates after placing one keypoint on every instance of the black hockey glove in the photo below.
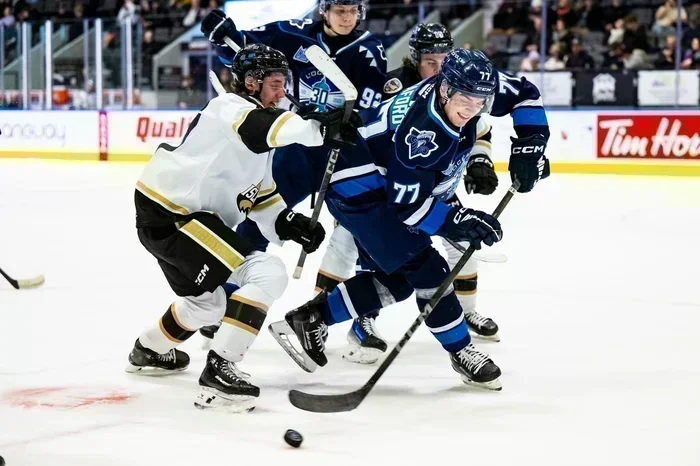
(527, 161)
(216, 25)
(293, 226)
(472, 226)
(337, 133)
(480, 177)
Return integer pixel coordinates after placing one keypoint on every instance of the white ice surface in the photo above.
(598, 307)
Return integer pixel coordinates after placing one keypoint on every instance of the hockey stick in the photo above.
(350, 401)
(33, 282)
(330, 70)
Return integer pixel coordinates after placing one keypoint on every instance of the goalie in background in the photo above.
(191, 196)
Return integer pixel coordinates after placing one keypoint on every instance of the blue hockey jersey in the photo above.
(360, 56)
(413, 158)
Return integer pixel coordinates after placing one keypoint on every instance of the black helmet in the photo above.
(429, 38)
(258, 61)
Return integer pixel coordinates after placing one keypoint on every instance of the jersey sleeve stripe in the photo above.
(160, 199)
(529, 116)
(237, 124)
(352, 172)
(421, 212)
(276, 127)
(530, 103)
(267, 202)
(356, 186)
(432, 222)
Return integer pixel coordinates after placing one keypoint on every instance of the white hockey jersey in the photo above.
(224, 165)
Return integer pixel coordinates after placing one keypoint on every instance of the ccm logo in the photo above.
(528, 150)
(202, 275)
(484, 89)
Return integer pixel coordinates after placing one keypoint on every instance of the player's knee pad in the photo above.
(262, 278)
(427, 270)
(194, 312)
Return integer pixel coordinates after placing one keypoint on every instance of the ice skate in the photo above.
(476, 368)
(207, 334)
(306, 322)
(223, 387)
(482, 327)
(365, 345)
(147, 362)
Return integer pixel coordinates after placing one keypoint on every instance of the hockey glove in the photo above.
(528, 163)
(216, 25)
(337, 133)
(480, 177)
(472, 226)
(297, 227)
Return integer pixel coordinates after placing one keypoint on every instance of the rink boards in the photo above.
(663, 142)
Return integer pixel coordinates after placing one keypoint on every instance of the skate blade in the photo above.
(494, 385)
(359, 355)
(493, 338)
(212, 399)
(280, 332)
(151, 371)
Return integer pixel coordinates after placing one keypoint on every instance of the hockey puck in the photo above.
(292, 437)
(2, 461)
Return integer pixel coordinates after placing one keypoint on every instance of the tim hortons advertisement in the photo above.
(653, 136)
(136, 134)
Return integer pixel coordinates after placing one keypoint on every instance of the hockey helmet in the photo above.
(429, 38)
(325, 5)
(259, 61)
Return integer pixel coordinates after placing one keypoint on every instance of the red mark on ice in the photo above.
(66, 397)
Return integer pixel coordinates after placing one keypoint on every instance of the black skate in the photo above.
(365, 343)
(476, 368)
(147, 362)
(483, 327)
(224, 387)
(306, 322)
(208, 332)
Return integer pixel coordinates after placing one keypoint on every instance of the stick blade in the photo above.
(327, 403)
(327, 66)
(31, 282)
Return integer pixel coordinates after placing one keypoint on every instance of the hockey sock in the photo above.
(168, 334)
(465, 287)
(240, 326)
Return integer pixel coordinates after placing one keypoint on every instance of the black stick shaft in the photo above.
(12, 281)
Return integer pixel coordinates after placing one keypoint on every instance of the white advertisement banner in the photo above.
(49, 133)
(136, 134)
(659, 87)
(557, 89)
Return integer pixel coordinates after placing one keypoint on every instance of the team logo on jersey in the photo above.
(420, 143)
(392, 86)
(300, 55)
(247, 198)
(315, 89)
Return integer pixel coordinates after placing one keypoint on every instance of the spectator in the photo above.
(693, 29)
(187, 96)
(531, 62)
(195, 14)
(8, 19)
(511, 17)
(666, 17)
(613, 59)
(127, 13)
(563, 35)
(75, 29)
(613, 13)
(667, 59)
(591, 16)
(578, 58)
(565, 13)
(617, 33)
(635, 37)
(692, 55)
(555, 62)
(63, 13)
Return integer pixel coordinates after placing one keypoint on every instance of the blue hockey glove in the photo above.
(472, 226)
(480, 177)
(216, 25)
(527, 161)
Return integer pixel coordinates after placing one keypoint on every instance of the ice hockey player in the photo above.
(390, 190)
(191, 196)
(357, 53)
(428, 45)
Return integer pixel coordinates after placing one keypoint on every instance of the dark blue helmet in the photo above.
(325, 5)
(469, 72)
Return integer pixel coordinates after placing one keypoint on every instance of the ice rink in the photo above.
(598, 306)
